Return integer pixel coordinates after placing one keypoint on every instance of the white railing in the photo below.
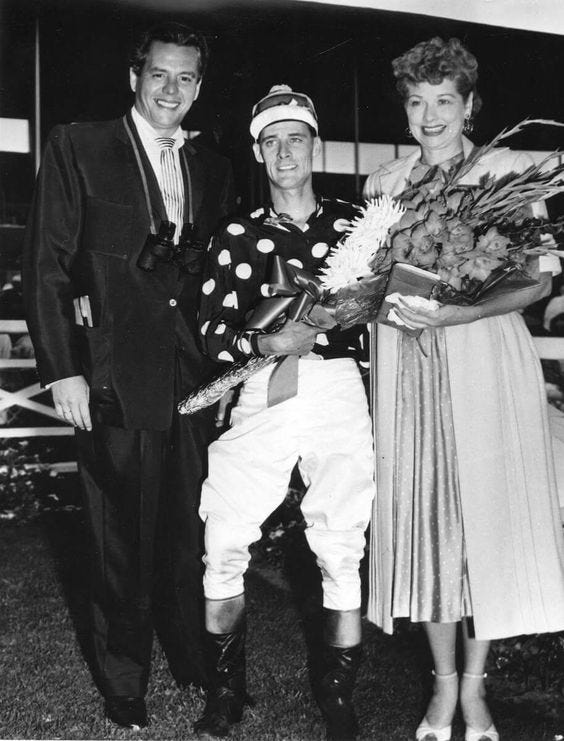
(24, 397)
(550, 348)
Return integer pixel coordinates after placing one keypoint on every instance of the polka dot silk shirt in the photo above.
(237, 272)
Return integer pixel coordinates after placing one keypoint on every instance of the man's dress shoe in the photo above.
(128, 712)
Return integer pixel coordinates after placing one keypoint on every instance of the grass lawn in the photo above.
(46, 691)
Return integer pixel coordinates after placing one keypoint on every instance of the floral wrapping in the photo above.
(237, 373)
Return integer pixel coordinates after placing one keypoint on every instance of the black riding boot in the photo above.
(336, 674)
(227, 695)
(339, 667)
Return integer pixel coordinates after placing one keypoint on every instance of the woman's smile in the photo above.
(436, 114)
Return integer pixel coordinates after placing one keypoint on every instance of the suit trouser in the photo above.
(141, 492)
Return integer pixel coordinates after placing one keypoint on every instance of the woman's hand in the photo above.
(446, 315)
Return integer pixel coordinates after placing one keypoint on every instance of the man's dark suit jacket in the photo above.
(89, 222)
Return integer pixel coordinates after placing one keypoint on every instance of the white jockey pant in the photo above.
(326, 429)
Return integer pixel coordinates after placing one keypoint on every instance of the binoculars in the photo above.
(187, 255)
(158, 247)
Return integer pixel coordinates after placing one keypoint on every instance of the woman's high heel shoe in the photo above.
(471, 734)
(489, 734)
(424, 731)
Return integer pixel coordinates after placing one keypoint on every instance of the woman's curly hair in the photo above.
(431, 61)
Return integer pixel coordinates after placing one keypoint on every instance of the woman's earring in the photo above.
(408, 133)
(468, 127)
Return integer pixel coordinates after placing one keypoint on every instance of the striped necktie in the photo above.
(172, 185)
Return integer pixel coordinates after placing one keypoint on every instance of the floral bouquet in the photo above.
(473, 236)
(476, 239)
(473, 240)
(355, 290)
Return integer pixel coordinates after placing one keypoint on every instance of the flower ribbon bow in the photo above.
(295, 294)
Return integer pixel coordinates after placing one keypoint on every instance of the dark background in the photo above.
(339, 55)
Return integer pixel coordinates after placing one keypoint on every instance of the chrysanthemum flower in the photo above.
(350, 260)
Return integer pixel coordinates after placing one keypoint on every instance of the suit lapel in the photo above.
(157, 204)
(194, 179)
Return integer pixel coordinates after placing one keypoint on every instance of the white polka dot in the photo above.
(208, 286)
(224, 257)
(296, 262)
(224, 355)
(220, 329)
(205, 327)
(321, 339)
(236, 229)
(231, 300)
(245, 346)
(341, 225)
(265, 245)
(257, 213)
(243, 270)
(320, 249)
(306, 228)
(364, 364)
(265, 290)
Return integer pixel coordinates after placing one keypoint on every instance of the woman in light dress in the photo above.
(466, 526)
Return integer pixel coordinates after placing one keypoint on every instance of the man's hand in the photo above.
(71, 396)
(295, 338)
(222, 408)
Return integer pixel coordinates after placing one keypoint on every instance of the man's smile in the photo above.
(171, 105)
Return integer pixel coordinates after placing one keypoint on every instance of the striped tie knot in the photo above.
(165, 142)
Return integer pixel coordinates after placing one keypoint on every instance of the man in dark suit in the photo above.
(111, 306)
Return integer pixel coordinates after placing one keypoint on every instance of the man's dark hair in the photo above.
(169, 33)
